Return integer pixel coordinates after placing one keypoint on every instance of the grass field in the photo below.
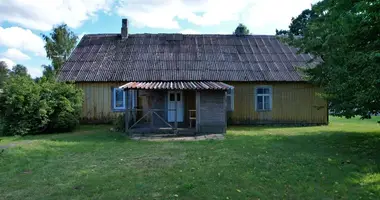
(339, 161)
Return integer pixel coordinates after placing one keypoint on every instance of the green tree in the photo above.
(241, 29)
(59, 44)
(48, 72)
(299, 24)
(4, 73)
(345, 34)
(19, 70)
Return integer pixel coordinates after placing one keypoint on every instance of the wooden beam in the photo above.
(175, 114)
(126, 114)
(197, 112)
(225, 110)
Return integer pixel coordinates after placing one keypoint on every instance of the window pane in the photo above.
(178, 96)
(119, 98)
(266, 103)
(266, 91)
(259, 103)
(171, 97)
(260, 91)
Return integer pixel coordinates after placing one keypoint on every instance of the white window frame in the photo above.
(114, 99)
(270, 95)
(231, 94)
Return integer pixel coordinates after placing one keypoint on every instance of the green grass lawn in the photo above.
(339, 161)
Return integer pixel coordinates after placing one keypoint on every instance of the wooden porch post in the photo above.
(175, 114)
(126, 113)
(197, 112)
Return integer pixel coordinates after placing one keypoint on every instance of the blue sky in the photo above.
(23, 21)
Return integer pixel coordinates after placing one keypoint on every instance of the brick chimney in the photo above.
(124, 29)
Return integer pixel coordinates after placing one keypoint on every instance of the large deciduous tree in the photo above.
(299, 24)
(4, 73)
(241, 29)
(345, 34)
(59, 44)
(19, 70)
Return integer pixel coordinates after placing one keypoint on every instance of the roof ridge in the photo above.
(205, 34)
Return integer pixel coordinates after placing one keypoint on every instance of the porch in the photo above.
(175, 108)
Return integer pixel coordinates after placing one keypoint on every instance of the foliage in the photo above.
(29, 107)
(345, 34)
(65, 102)
(21, 108)
(49, 73)
(19, 70)
(59, 44)
(339, 161)
(282, 32)
(4, 73)
(299, 24)
(241, 29)
(119, 123)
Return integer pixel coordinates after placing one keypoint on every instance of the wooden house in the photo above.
(199, 81)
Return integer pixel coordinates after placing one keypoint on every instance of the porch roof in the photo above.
(177, 85)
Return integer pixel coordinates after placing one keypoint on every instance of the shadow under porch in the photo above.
(195, 107)
(156, 112)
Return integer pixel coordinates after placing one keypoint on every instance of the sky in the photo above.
(23, 21)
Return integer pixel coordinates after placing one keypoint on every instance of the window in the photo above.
(118, 100)
(263, 97)
(230, 99)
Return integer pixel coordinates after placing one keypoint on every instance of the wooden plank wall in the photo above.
(97, 105)
(292, 103)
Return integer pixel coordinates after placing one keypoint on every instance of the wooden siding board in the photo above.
(292, 103)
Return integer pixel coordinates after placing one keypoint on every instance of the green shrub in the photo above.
(119, 123)
(21, 109)
(65, 101)
(27, 107)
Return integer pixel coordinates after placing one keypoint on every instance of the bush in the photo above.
(65, 101)
(28, 107)
(119, 123)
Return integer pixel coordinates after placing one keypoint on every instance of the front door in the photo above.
(173, 97)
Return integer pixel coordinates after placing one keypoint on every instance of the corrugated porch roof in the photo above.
(177, 85)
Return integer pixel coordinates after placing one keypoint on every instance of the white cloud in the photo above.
(150, 13)
(35, 71)
(24, 39)
(15, 54)
(190, 31)
(264, 17)
(43, 14)
(261, 16)
(9, 62)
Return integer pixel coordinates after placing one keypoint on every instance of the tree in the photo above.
(19, 70)
(241, 29)
(48, 72)
(299, 24)
(344, 37)
(4, 72)
(59, 45)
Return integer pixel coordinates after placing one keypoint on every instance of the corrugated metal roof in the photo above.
(152, 57)
(177, 85)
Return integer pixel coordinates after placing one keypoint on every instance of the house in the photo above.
(193, 81)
